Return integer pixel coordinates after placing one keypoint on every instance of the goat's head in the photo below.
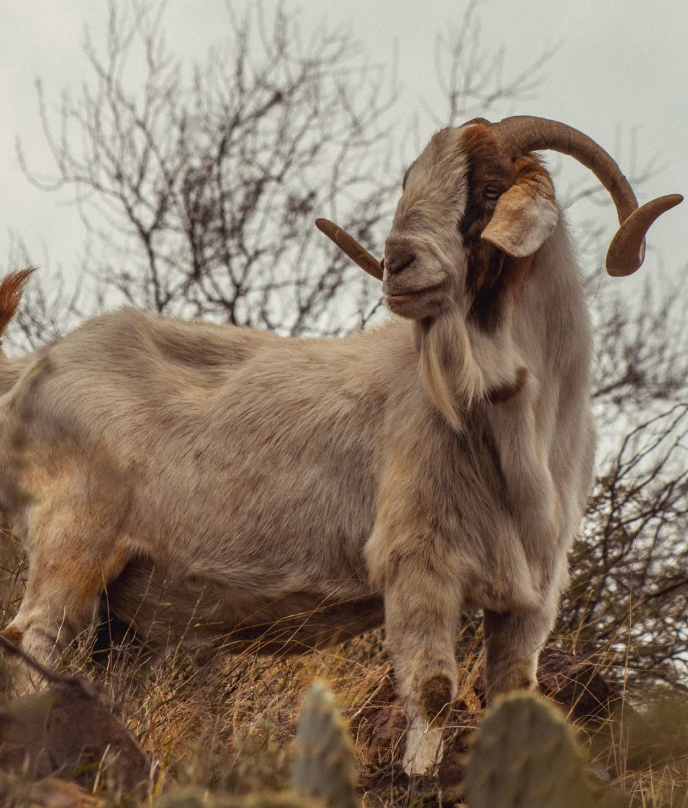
(476, 198)
(466, 209)
(476, 206)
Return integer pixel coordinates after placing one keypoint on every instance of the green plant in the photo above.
(524, 755)
(323, 773)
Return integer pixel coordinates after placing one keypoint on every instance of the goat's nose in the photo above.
(398, 257)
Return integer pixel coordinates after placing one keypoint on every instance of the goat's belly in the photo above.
(201, 613)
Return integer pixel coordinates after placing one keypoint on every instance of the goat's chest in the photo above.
(478, 507)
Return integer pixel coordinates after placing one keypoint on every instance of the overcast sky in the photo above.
(619, 73)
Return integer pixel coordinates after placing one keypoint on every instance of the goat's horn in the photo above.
(627, 248)
(525, 133)
(351, 247)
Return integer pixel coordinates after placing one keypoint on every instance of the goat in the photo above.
(237, 489)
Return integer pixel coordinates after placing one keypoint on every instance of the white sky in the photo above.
(620, 69)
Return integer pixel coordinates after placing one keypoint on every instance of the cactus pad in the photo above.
(525, 756)
(324, 766)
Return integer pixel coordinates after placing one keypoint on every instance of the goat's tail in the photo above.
(11, 290)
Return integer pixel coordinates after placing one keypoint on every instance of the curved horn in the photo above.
(525, 133)
(351, 247)
(627, 249)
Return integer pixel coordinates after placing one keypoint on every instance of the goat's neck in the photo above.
(462, 364)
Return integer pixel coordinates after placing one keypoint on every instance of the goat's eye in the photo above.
(492, 191)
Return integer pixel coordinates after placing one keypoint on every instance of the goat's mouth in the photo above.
(400, 298)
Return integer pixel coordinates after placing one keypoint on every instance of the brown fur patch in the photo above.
(11, 290)
(14, 635)
(436, 696)
(532, 175)
(505, 393)
(487, 273)
(492, 276)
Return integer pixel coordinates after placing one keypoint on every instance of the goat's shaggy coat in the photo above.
(235, 488)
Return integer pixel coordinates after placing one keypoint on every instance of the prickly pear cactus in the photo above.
(525, 756)
(323, 774)
(324, 766)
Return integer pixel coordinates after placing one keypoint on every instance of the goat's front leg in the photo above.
(513, 642)
(421, 614)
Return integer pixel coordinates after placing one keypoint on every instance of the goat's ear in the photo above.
(526, 214)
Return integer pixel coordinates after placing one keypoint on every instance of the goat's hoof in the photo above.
(424, 748)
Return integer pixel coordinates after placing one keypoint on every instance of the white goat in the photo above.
(235, 488)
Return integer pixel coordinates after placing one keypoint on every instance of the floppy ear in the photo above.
(526, 214)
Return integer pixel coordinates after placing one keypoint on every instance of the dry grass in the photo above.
(227, 723)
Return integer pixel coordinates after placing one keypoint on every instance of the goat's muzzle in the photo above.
(398, 256)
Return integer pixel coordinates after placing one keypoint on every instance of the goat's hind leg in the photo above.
(66, 577)
(422, 613)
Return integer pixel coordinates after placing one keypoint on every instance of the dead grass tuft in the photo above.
(227, 724)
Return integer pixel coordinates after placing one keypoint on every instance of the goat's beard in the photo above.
(450, 374)
(461, 366)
